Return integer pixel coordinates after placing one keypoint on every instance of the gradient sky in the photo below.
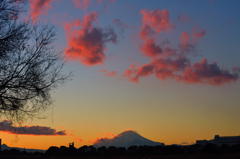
(168, 69)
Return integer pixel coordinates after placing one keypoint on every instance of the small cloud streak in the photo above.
(120, 25)
(197, 35)
(78, 139)
(106, 137)
(236, 69)
(87, 43)
(211, 2)
(39, 7)
(183, 17)
(84, 4)
(106, 73)
(6, 126)
(185, 38)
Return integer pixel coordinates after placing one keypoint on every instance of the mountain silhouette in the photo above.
(126, 139)
(5, 147)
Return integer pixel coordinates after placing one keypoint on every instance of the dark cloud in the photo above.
(202, 72)
(151, 49)
(7, 126)
(180, 69)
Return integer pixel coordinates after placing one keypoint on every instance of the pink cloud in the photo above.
(147, 32)
(168, 51)
(99, 1)
(84, 4)
(38, 7)
(170, 63)
(186, 47)
(87, 43)
(7, 126)
(155, 21)
(185, 38)
(197, 35)
(183, 17)
(111, 74)
(203, 72)
(180, 69)
(151, 49)
(135, 73)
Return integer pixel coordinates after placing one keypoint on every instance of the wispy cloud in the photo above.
(199, 34)
(106, 73)
(183, 17)
(121, 25)
(39, 7)
(84, 4)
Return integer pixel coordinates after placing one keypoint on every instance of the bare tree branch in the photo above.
(30, 68)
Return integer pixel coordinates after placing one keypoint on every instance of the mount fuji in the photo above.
(126, 139)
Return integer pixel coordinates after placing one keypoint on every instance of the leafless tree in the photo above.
(30, 68)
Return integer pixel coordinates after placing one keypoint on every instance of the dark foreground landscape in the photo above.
(191, 156)
(209, 151)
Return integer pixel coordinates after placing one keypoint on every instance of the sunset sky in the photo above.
(167, 69)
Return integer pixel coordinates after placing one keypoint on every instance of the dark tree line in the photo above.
(30, 67)
(132, 150)
(144, 150)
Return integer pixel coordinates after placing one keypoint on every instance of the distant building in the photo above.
(228, 140)
(202, 142)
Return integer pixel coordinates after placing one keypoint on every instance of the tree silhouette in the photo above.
(122, 150)
(112, 150)
(102, 150)
(210, 148)
(53, 151)
(30, 68)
